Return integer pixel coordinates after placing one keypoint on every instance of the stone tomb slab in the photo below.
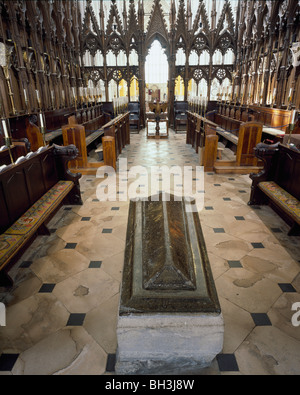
(170, 319)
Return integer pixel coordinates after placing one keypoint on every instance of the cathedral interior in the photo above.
(96, 92)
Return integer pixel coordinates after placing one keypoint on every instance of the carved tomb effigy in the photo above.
(170, 319)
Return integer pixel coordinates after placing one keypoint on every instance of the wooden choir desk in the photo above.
(204, 134)
(114, 134)
(91, 117)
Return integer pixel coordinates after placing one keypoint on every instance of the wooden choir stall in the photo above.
(240, 129)
(31, 191)
(115, 135)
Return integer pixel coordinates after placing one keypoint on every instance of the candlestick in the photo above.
(42, 127)
(41, 120)
(293, 117)
(52, 98)
(6, 135)
(7, 139)
(38, 98)
(292, 125)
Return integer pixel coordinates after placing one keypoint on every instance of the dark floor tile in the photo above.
(276, 230)
(241, 191)
(107, 231)
(261, 319)
(25, 264)
(209, 208)
(231, 179)
(217, 185)
(234, 264)
(227, 363)
(85, 218)
(257, 245)
(115, 208)
(219, 230)
(68, 208)
(76, 319)
(111, 362)
(239, 218)
(46, 288)
(226, 199)
(95, 264)
(286, 287)
(7, 362)
(71, 246)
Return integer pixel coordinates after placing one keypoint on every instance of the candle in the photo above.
(5, 129)
(25, 95)
(38, 96)
(293, 117)
(41, 120)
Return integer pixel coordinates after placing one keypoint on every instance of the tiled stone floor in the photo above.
(62, 312)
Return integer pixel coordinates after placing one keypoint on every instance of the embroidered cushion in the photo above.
(8, 245)
(32, 219)
(285, 200)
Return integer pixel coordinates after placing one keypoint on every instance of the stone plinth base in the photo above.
(168, 344)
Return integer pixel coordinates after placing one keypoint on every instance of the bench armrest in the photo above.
(267, 153)
(63, 155)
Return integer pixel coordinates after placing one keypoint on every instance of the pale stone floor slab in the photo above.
(62, 311)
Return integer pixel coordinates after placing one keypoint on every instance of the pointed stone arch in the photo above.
(114, 23)
(201, 16)
(226, 14)
(157, 28)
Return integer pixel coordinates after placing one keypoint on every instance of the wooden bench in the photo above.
(278, 184)
(119, 128)
(228, 114)
(30, 193)
(91, 117)
(245, 139)
(115, 135)
(19, 148)
(93, 130)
